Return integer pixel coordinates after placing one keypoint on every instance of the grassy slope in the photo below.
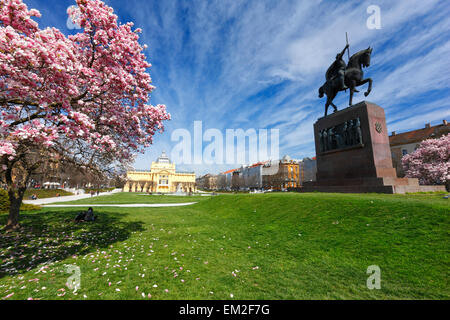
(306, 246)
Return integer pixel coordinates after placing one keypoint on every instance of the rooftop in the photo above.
(419, 134)
(230, 171)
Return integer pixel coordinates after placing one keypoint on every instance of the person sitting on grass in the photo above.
(90, 215)
(81, 216)
(87, 216)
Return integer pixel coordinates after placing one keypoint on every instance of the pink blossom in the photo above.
(97, 95)
(430, 163)
(9, 296)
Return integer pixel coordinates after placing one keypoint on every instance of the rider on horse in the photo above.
(340, 75)
(337, 70)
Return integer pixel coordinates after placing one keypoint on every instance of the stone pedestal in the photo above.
(353, 153)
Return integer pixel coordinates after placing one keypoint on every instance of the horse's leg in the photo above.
(370, 86)
(351, 83)
(364, 81)
(327, 104)
(331, 98)
(352, 90)
(334, 106)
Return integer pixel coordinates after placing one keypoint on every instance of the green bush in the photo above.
(4, 203)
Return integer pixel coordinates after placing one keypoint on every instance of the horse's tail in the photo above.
(321, 92)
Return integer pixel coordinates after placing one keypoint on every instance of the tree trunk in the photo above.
(13, 219)
(14, 209)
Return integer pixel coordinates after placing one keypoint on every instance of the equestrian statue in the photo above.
(341, 76)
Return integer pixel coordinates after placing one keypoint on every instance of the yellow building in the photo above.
(162, 178)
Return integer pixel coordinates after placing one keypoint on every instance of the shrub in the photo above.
(4, 203)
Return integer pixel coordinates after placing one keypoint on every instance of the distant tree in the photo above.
(221, 182)
(83, 97)
(430, 163)
(201, 183)
(252, 181)
(237, 181)
(119, 179)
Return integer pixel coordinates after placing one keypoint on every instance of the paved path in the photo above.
(68, 198)
(46, 202)
(134, 205)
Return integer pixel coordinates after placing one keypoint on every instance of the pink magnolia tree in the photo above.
(82, 99)
(430, 163)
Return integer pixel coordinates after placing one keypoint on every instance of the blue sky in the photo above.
(258, 64)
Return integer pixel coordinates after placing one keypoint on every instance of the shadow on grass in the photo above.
(47, 237)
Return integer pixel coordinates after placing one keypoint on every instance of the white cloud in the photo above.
(416, 76)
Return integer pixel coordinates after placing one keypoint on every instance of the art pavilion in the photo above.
(162, 178)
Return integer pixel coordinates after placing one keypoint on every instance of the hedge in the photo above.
(4, 203)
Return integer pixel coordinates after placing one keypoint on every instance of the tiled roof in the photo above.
(230, 171)
(419, 135)
(258, 164)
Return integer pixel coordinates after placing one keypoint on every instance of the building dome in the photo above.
(286, 158)
(163, 158)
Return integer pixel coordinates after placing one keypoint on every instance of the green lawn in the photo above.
(268, 246)
(141, 198)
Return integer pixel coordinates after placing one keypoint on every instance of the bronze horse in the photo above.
(353, 78)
